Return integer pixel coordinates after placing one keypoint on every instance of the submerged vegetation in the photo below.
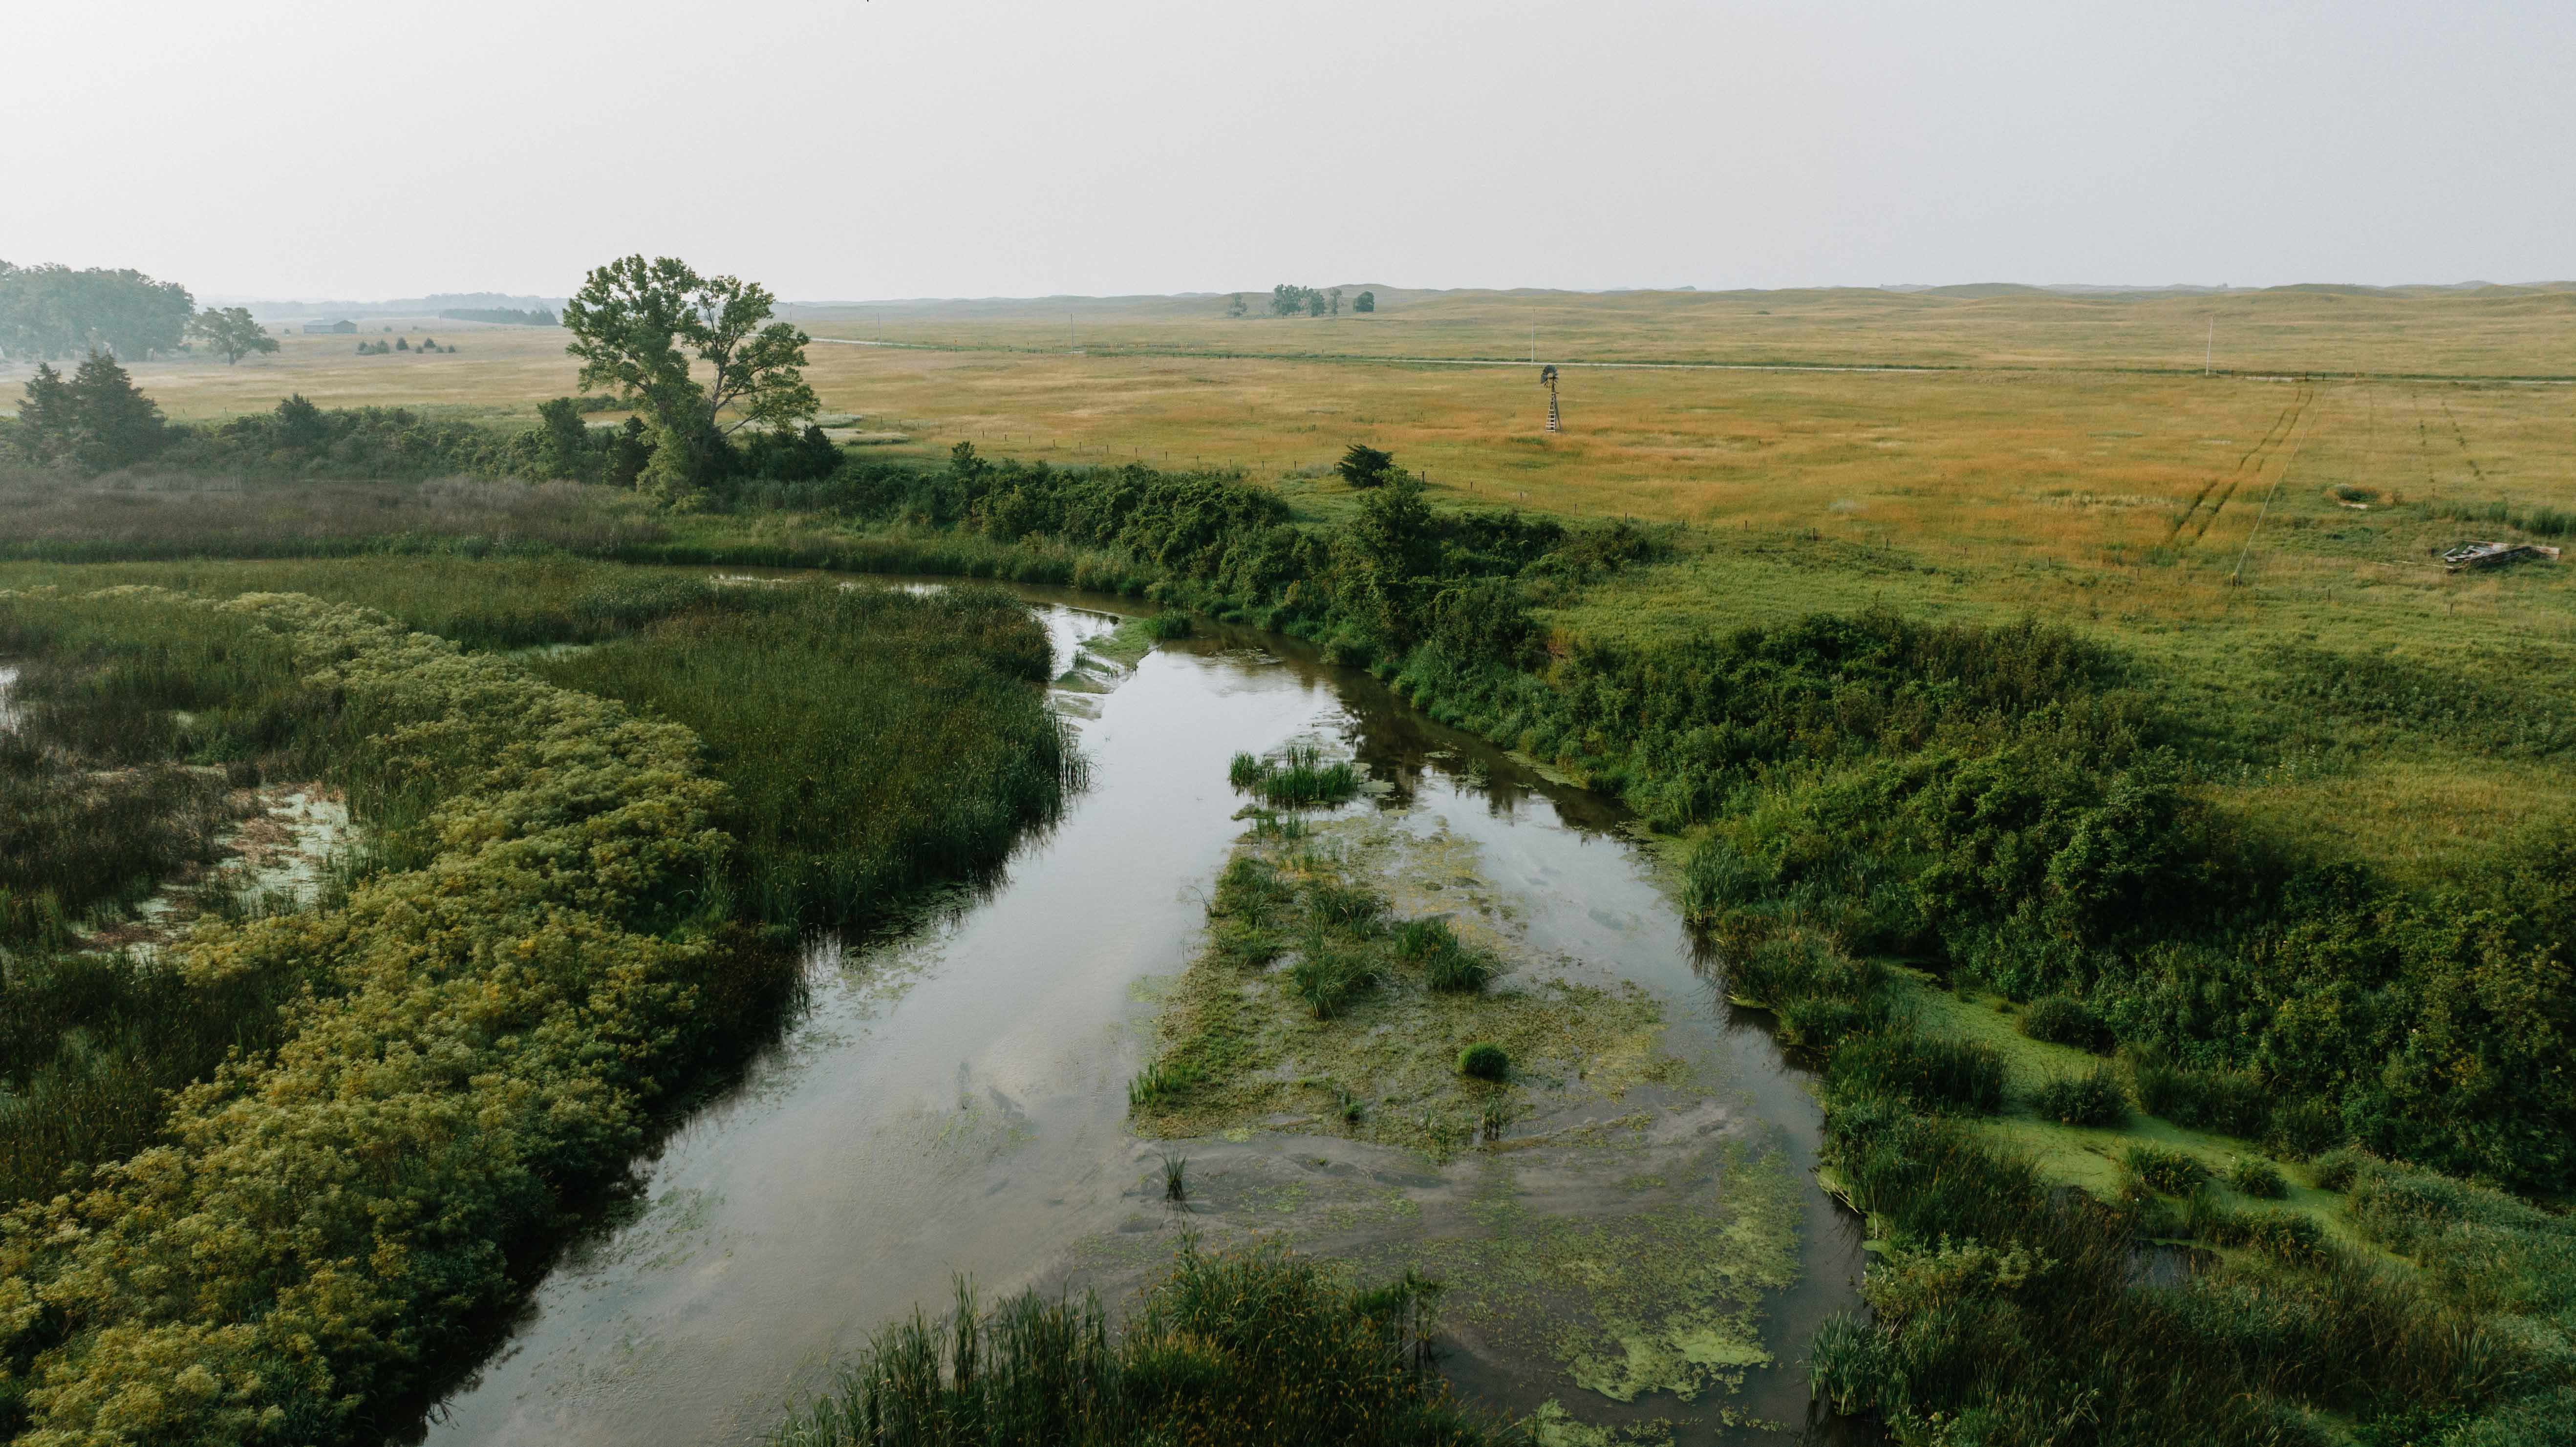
(1255, 1346)
(1311, 998)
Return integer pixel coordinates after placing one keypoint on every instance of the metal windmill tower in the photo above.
(1547, 374)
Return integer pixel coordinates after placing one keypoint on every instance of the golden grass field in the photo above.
(2063, 457)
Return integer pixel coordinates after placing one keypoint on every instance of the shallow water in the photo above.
(955, 1101)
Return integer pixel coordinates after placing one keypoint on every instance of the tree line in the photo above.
(52, 312)
(1289, 300)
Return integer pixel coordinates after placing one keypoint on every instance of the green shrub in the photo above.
(2336, 1169)
(1821, 1022)
(2060, 1020)
(2255, 1176)
(2167, 1172)
(1484, 1061)
(1170, 624)
(1956, 1074)
(2093, 1098)
(1784, 968)
(2223, 1101)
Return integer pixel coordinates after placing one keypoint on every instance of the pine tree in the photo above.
(45, 417)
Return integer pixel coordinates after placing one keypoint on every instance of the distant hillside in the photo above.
(412, 306)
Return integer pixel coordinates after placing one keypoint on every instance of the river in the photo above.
(954, 1101)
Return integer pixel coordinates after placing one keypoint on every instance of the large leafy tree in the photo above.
(697, 354)
(230, 331)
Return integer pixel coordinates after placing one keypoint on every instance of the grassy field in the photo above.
(2065, 460)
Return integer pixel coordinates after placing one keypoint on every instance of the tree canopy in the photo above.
(646, 328)
(50, 312)
(1365, 302)
(230, 332)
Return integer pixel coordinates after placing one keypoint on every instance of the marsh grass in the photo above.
(1257, 1346)
(128, 721)
(1297, 777)
(872, 741)
(1447, 963)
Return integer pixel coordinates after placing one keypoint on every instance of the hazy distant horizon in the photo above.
(2213, 288)
(1004, 148)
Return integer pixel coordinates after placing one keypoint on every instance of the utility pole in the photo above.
(2209, 348)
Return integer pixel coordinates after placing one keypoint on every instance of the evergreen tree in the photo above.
(1365, 302)
(45, 417)
(1365, 466)
(95, 421)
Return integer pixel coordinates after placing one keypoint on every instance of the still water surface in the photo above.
(954, 1101)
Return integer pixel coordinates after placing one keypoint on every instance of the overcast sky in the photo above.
(902, 148)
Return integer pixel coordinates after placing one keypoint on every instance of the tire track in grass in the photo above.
(2459, 435)
(2272, 436)
(2263, 455)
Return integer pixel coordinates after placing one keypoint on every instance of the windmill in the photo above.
(1547, 374)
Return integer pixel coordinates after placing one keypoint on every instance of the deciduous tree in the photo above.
(231, 332)
(641, 327)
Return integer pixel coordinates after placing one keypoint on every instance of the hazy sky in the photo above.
(976, 148)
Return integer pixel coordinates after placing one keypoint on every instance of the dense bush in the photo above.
(2168, 1172)
(1483, 1061)
(2093, 1098)
(2061, 1021)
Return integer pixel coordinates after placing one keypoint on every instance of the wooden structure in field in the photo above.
(2496, 555)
